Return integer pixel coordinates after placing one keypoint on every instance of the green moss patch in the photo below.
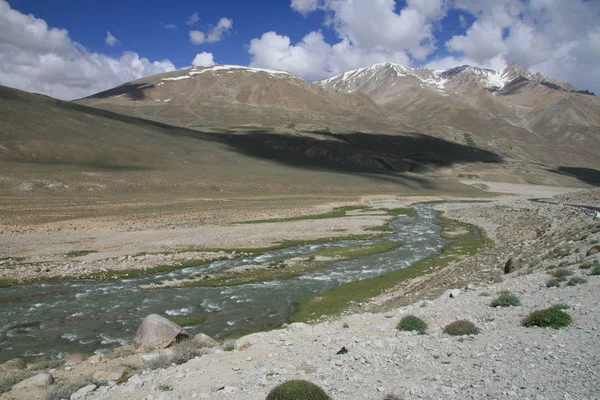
(279, 270)
(468, 242)
(80, 253)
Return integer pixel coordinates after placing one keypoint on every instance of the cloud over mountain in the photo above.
(39, 58)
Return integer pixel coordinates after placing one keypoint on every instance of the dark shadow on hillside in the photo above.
(360, 152)
(129, 90)
(587, 175)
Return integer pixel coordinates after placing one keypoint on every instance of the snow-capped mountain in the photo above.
(454, 80)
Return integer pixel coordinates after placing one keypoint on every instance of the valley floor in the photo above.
(506, 360)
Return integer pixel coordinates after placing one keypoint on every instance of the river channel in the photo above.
(53, 319)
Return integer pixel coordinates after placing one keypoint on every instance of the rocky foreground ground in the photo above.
(505, 360)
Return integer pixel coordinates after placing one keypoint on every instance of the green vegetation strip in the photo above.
(80, 253)
(337, 212)
(466, 241)
(279, 270)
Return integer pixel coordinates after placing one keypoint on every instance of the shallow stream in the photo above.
(96, 316)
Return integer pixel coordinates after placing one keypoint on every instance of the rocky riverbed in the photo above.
(505, 360)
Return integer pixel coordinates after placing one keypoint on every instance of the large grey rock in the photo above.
(83, 392)
(15, 364)
(156, 332)
(40, 380)
(203, 340)
(110, 374)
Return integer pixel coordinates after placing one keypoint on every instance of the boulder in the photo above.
(511, 266)
(110, 374)
(593, 250)
(75, 358)
(81, 393)
(40, 380)
(203, 340)
(15, 364)
(156, 332)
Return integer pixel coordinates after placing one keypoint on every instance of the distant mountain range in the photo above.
(520, 115)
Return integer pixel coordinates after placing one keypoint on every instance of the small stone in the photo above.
(203, 340)
(300, 327)
(95, 359)
(75, 358)
(381, 389)
(81, 393)
(110, 374)
(510, 266)
(593, 250)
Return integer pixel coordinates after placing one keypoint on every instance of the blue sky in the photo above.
(60, 47)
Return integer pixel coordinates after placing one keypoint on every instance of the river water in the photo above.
(52, 319)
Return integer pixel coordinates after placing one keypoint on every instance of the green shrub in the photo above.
(561, 273)
(412, 323)
(10, 379)
(506, 299)
(550, 317)
(595, 269)
(228, 346)
(576, 280)
(184, 351)
(297, 390)
(460, 328)
(392, 396)
(553, 283)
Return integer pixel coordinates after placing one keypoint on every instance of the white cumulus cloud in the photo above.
(368, 31)
(305, 6)
(42, 59)
(193, 19)
(214, 34)
(555, 37)
(313, 58)
(111, 40)
(203, 59)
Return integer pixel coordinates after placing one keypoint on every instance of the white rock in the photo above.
(300, 327)
(39, 380)
(81, 393)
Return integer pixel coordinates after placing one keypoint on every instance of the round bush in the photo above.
(460, 328)
(552, 317)
(553, 283)
(576, 280)
(412, 323)
(297, 390)
(561, 273)
(506, 299)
